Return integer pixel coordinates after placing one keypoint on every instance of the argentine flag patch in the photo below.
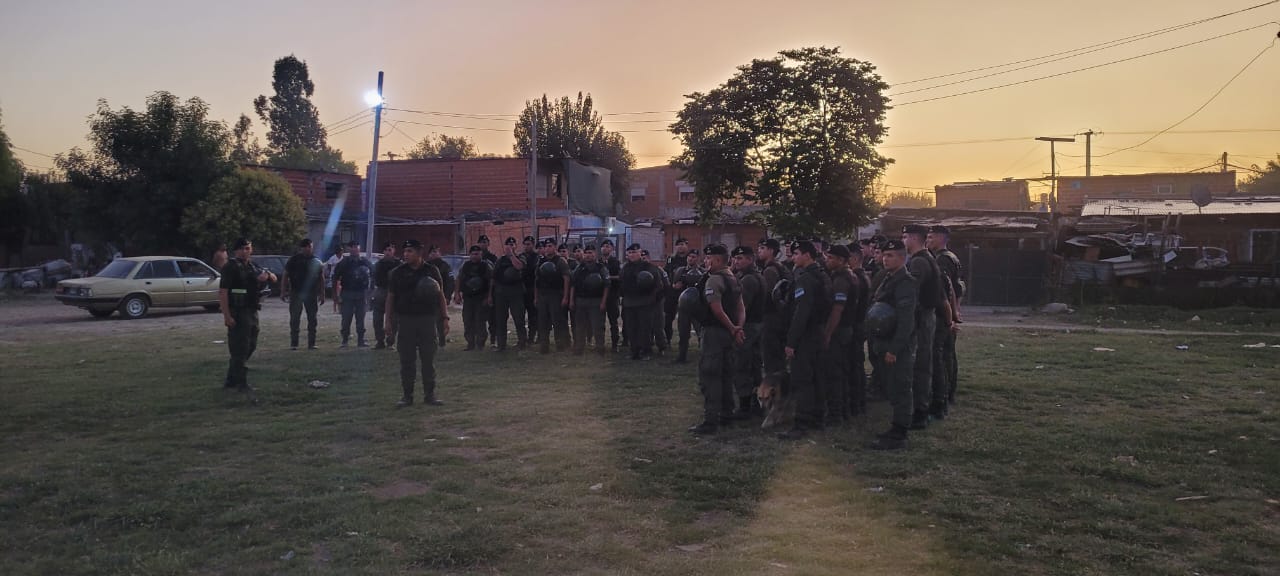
(842, 297)
(799, 292)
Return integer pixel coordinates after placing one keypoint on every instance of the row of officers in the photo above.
(804, 323)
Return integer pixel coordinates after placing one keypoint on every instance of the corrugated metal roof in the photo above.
(1220, 206)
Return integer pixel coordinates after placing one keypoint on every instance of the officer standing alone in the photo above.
(352, 277)
(415, 307)
(303, 288)
(238, 296)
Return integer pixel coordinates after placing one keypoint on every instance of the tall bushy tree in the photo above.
(295, 138)
(144, 168)
(1265, 181)
(244, 146)
(443, 146)
(11, 202)
(573, 129)
(247, 203)
(796, 134)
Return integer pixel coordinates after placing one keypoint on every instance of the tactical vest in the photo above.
(772, 305)
(931, 287)
(755, 308)
(850, 315)
(728, 300)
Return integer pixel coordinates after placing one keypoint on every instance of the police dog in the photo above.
(778, 405)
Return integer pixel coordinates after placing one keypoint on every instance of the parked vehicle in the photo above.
(135, 285)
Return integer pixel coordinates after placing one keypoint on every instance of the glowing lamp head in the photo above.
(372, 98)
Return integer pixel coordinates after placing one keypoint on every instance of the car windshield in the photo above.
(117, 269)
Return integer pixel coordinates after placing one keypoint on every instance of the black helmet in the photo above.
(881, 320)
(427, 289)
(593, 282)
(474, 285)
(510, 275)
(782, 292)
(646, 281)
(548, 268)
(692, 276)
(690, 302)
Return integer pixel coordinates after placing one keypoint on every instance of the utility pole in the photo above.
(373, 167)
(1224, 161)
(1053, 169)
(1088, 152)
(533, 177)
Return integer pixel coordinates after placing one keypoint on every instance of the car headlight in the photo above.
(86, 292)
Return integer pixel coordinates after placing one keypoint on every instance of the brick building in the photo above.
(1075, 191)
(658, 194)
(320, 193)
(1007, 194)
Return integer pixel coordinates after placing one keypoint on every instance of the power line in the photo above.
(1110, 43)
(454, 127)
(1086, 68)
(333, 125)
(352, 127)
(49, 156)
(1202, 106)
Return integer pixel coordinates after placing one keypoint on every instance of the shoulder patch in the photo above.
(799, 292)
(842, 297)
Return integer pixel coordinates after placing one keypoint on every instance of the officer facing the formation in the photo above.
(587, 293)
(303, 288)
(809, 306)
(837, 337)
(945, 370)
(474, 279)
(508, 295)
(552, 295)
(747, 356)
(238, 296)
(924, 269)
(415, 307)
(352, 277)
(684, 278)
(774, 329)
(722, 318)
(891, 325)
(381, 273)
(612, 299)
(640, 287)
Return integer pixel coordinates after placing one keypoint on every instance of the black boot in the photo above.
(704, 428)
(894, 439)
(920, 420)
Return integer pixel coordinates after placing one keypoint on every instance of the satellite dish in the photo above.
(1201, 196)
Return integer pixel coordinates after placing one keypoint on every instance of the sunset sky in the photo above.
(489, 57)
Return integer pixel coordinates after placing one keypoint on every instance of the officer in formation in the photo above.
(530, 274)
(747, 357)
(685, 277)
(588, 290)
(552, 295)
(445, 271)
(672, 267)
(858, 354)
(508, 295)
(810, 307)
(352, 280)
(613, 298)
(894, 341)
(381, 272)
(641, 284)
(659, 335)
(924, 268)
(945, 367)
(415, 307)
(475, 278)
(303, 288)
(722, 330)
(774, 328)
(238, 297)
(838, 335)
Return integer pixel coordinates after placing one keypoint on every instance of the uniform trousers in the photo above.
(715, 373)
(588, 323)
(417, 343)
(242, 340)
(508, 302)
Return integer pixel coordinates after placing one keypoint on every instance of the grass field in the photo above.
(123, 455)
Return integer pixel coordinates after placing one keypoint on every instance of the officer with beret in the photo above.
(552, 295)
(303, 288)
(508, 295)
(613, 298)
(641, 284)
(492, 259)
(774, 329)
(858, 353)
(809, 310)
(722, 330)
(837, 337)
(587, 293)
(686, 277)
(747, 360)
(445, 273)
(475, 278)
(378, 305)
(674, 263)
(945, 370)
(924, 269)
(532, 258)
(894, 341)
(875, 267)
(660, 338)
(352, 279)
(415, 307)
(239, 291)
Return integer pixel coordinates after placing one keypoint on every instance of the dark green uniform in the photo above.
(508, 300)
(836, 360)
(809, 304)
(240, 280)
(416, 300)
(378, 305)
(671, 295)
(924, 269)
(530, 274)
(612, 302)
(747, 360)
(688, 277)
(715, 366)
(473, 281)
(879, 376)
(550, 296)
(444, 275)
(589, 282)
(858, 351)
(773, 336)
(899, 290)
(304, 290)
(638, 304)
(946, 369)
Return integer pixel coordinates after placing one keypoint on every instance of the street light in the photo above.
(374, 100)
(1053, 169)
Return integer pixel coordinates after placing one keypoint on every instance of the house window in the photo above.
(1164, 189)
(332, 190)
(1264, 246)
(686, 191)
(638, 193)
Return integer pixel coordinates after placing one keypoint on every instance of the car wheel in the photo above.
(134, 307)
(101, 313)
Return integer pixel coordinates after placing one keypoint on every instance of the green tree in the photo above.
(247, 203)
(144, 168)
(796, 134)
(1264, 181)
(443, 146)
(244, 146)
(573, 129)
(327, 160)
(909, 199)
(293, 120)
(11, 202)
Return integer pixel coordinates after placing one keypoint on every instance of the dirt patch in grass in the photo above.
(399, 489)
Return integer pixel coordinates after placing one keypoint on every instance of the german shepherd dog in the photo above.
(778, 404)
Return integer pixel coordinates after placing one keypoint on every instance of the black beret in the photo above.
(694, 251)
(528, 239)
(915, 229)
(607, 242)
(772, 244)
(681, 241)
(743, 251)
(482, 239)
(589, 248)
(939, 229)
(806, 247)
(839, 251)
(795, 245)
(867, 242)
(241, 243)
(878, 239)
(475, 248)
(634, 246)
(416, 245)
(716, 250)
(304, 242)
(511, 241)
(388, 244)
(564, 246)
(644, 252)
(892, 245)
(353, 244)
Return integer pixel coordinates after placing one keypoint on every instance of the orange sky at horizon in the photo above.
(490, 57)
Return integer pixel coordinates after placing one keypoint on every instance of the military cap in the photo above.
(511, 241)
(482, 239)
(772, 244)
(694, 251)
(606, 242)
(716, 250)
(388, 244)
(644, 252)
(867, 242)
(680, 241)
(890, 245)
(304, 242)
(805, 247)
(743, 251)
(411, 243)
(838, 251)
(564, 246)
(475, 248)
(878, 239)
(241, 243)
(529, 239)
(589, 248)
(633, 246)
(939, 229)
(915, 229)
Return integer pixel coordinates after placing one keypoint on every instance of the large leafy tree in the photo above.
(573, 129)
(244, 146)
(295, 138)
(144, 168)
(443, 146)
(1265, 181)
(11, 202)
(795, 134)
(247, 203)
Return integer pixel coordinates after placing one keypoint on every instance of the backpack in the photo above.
(359, 276)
